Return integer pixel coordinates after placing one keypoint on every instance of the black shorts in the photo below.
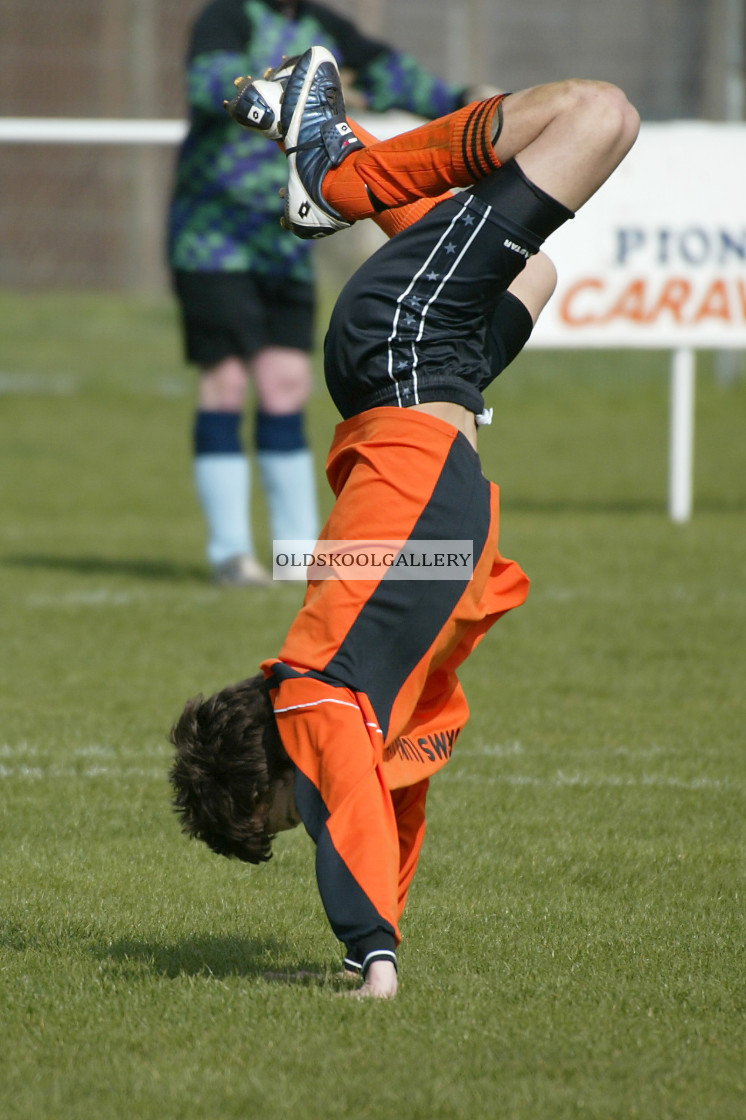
(229, 314)
(411, 325)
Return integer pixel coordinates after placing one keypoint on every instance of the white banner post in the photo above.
(681, 465)
(657, 261)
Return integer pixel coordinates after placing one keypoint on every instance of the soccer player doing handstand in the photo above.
(343, 730)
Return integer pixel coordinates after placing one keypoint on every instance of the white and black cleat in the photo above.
(317, 138)
(257, 106)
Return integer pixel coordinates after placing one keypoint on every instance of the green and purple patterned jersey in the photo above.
(225, 210)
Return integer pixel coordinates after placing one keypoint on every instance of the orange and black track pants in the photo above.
(371, 664)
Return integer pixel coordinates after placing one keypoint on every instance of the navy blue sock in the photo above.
(280, 433)
(217, 433)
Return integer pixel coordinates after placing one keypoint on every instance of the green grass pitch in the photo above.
(574, 942)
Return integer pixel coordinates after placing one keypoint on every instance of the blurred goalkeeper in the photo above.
(246, 294)
(344, 730)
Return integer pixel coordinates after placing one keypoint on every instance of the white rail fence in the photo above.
(657, 259)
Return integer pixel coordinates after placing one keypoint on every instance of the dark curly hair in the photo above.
(228, 753)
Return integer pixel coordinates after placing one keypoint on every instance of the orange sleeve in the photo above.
(333, 737)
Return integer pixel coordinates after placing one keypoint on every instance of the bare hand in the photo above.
(381, 982)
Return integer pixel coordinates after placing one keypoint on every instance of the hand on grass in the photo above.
(381, 982)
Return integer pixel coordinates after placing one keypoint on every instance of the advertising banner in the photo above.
(657, 258)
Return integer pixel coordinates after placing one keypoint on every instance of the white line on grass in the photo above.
(594, 781)
(38, 384)
(56, 773)
(30, 384)
(672, 594)
(27, 761)
(494, 750)
(103, 597)
(107, 597)
(508, 750)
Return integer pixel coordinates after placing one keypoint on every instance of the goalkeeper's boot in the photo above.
(317, 137)
(257, 103)
(242, 570)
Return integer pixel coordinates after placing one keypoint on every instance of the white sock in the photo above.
(224, 488)
(289, 484)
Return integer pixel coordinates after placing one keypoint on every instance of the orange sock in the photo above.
(394, 221)
(453, 151)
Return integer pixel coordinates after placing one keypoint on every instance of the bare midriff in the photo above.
(455, 414)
